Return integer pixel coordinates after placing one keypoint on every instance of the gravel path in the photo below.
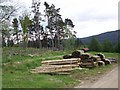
(110, 80)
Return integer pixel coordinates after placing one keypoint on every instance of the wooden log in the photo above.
(76, 54)
(96, 58)
(88, 65)
(107, 61)
(81, 51)
(85, 56)
(101, 63)
(61, 62)
(55, 68)
(53, 71)
(102, 56)
(67, 56)
(112, 60)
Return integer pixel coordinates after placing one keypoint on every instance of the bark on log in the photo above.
(67, 56)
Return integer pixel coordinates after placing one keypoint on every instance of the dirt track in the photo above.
(110, 80)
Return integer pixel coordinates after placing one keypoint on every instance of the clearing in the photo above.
(17, 63)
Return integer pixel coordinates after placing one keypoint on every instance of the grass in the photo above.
(16, 73)
(107, 54)
(91, 73)
(29, 80)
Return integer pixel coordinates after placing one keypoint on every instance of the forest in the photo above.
(28, 30)
(43, 29)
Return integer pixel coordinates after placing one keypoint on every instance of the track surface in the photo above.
(110, 80)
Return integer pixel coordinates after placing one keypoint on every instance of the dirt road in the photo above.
(110, 80)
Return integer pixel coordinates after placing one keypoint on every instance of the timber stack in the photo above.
(78, 59)
(58, 66)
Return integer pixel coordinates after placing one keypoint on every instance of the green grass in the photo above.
(21, 54)
(28, 80)
(16, 73)
(107, 54)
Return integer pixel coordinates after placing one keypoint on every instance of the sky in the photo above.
(90, 17)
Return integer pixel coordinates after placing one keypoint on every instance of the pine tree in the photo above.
(25, 24)
(94, 45)
(15, 25)
(37, 20)
(107, 46)
(57, 27)
(117, 47)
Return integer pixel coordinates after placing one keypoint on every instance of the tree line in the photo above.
(105, 46)
(28, 30)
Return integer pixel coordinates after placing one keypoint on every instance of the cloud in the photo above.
(89, 28)
(89, 16)
(92, 16)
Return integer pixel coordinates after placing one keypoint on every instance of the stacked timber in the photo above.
(57, 66)
(70, 62)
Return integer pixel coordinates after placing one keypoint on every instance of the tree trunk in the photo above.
(39, 41)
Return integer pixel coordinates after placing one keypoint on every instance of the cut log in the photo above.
(61, 62)
(96, 58)
(113, 60)
(107, 61)
(67, 56)
(52, 71)
(76, 54)
(88, 65)
(55, 68)
(85, 56)
(102, 56)
(101, 63)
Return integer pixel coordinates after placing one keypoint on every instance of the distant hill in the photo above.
(112, 36)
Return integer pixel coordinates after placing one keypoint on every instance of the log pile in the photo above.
(88, 60)
(57, 66)
(77, 59)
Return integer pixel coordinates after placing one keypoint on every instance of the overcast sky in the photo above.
(90, 17)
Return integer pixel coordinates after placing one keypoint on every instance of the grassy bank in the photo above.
(17, 63)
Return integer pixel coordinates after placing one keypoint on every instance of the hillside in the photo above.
(112, 36)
